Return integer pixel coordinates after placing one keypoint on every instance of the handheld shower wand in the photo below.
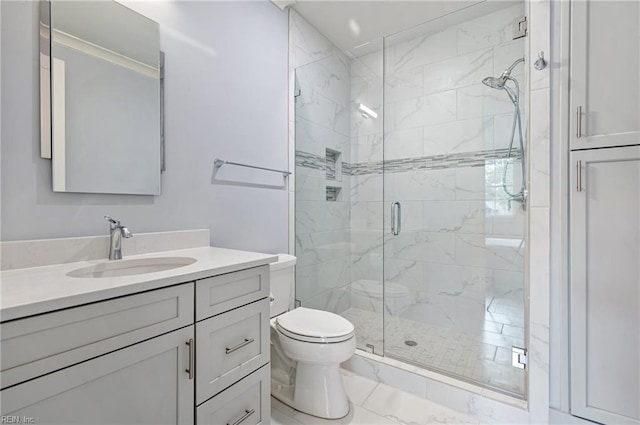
(500, 83)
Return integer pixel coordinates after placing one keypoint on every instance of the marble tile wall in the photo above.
(477, 133)
(306, 45)
(538, 274)
(367, 218)
(445, 140)
(321, 121)
(461, 252)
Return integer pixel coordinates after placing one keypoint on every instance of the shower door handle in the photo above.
(396, 218)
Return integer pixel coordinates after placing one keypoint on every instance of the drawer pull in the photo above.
(191, 353)
(246, 341)
(247, 413)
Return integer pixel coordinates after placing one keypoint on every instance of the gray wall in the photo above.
(226, 86)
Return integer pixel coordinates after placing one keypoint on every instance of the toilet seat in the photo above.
(314, 326)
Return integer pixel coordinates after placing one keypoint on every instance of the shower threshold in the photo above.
(428, 383)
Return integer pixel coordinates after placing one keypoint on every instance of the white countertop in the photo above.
(36, 290)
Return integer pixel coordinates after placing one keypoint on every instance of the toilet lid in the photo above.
(311, 325)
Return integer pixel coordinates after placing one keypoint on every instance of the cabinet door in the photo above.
(145, 383)
(605, 69)
(605, 285)
(36, 345)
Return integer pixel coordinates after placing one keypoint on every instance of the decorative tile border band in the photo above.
(434, 162)
(309, 160)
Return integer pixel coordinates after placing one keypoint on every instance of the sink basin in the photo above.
(132, 267)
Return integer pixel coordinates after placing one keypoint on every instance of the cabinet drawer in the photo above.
(218, 294)
(229, 346)
(41, 344)
(145, 383)
(247, 402)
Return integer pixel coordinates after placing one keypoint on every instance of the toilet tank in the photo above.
(282, 282)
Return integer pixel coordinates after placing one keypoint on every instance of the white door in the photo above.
(145, 383)
(605, 285)
(605, 70)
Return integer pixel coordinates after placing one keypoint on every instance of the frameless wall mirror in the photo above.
(100, 96)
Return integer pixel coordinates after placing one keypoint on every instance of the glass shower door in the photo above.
(454, 241)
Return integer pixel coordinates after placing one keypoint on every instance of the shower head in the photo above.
(499, 82)
(494, 82)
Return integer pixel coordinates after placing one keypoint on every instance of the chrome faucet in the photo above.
(117, 232)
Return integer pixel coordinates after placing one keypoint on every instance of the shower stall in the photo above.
(411, 193)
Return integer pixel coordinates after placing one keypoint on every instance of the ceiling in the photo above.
(349, 24)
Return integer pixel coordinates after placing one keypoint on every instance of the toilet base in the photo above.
(318, 391)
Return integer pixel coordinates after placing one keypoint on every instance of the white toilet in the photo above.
(307, 347)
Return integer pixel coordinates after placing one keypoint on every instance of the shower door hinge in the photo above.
(520, 27)
(519, 357)
(296, 93)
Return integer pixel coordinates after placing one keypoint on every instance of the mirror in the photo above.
(100, 97)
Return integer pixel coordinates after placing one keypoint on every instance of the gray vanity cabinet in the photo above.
(604, 213)
(119, 361)
(157, 357)
(605, 285)
(233, 348)
(145, 383)
(37, 345)
(604, 101)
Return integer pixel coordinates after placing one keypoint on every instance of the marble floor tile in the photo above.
(279, 418)
(281, 407)
(373, 403)
(357, 416)
(405, 408)
(358, 388)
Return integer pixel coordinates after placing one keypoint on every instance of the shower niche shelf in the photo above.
(333, 165)
(333, 192)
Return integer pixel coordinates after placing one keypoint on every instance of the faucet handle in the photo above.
(125, 232)
(112, 221)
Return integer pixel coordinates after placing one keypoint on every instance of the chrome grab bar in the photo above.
(246, 341)
(396, 218)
